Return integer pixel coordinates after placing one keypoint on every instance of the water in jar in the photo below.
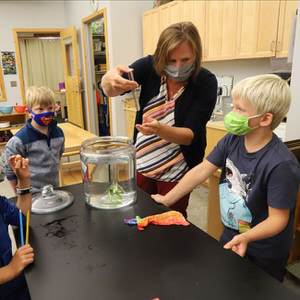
(109, 181)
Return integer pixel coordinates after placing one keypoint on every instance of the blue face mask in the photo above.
(43, 119)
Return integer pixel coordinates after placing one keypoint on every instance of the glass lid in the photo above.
(50, 200)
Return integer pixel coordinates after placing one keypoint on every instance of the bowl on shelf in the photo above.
(20, 108)
(6, 109)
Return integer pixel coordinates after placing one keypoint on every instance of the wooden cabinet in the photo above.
(220, 34)
(194, 11)
(214, 132)
(257, 28)
(228, 29)
(170, 13)
(151, 31)
(287, 13)
(16, 120)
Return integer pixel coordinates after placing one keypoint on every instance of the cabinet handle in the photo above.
(277, 46)
(271, 46)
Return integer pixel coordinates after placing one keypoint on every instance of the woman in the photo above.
(177, 99)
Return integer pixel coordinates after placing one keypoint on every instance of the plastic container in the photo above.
(108, 166)
(6, 109)
(20, 108)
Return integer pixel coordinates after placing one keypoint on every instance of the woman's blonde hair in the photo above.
(267, 93)
(173, 36)
(39, 95)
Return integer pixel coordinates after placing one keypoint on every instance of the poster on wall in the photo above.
(8, 63)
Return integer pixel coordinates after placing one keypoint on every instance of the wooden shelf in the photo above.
(98, 34)
(14, 118)
(11, 127)
(100, 53)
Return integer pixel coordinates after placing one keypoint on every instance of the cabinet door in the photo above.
(257, 28)
(220, 34)
(170, 13)
(287, 13)
(151, 31)
(194, 11)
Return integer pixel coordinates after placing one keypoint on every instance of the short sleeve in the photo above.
(283, 185)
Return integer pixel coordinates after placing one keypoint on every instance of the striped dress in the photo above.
(156, 157)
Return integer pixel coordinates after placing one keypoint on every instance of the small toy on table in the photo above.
(168, 218)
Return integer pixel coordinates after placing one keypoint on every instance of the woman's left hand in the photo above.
(149, 126)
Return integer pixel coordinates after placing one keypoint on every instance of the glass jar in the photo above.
(108, 166)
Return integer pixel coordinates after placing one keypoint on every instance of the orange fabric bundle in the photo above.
(168, 218)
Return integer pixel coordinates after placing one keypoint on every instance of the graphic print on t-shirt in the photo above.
(233, 197)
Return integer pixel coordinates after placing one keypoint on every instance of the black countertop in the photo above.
(86, 253)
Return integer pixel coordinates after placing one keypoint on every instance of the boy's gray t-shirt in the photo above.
(249, 184)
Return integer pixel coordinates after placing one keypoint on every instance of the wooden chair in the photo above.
(294, 147)
(70, 172)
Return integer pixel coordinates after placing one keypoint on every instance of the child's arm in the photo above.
(274, 224)
(191, 179)
(20, 167)
(13, 184)
(23, 257)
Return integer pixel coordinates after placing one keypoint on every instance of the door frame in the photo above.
(18, 56)
(88, 55)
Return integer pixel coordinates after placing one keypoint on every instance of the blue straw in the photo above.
(21, 227)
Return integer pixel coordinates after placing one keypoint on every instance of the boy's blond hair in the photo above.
(267, 93)
(39, 95)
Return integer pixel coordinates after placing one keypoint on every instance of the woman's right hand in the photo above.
(114, 84)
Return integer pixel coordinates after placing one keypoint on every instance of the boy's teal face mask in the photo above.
(237, 124)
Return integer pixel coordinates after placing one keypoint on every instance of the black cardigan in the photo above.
(192, 109)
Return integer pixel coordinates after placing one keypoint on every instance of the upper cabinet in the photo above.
(287, 13)
(220, 33)
(228, 29)
(151, 31)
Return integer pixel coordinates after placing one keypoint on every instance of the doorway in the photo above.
(64, 61)
(94, 31)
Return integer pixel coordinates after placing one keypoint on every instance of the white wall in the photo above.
(293, 123)
(32, 14)
(240, 69)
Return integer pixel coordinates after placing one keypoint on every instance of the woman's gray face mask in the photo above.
(181, 73)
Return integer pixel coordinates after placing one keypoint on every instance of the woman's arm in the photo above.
(177, 135)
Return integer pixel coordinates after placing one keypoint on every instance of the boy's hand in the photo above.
(238, 244)
(20, 167)
(22, 258)
(159, 199)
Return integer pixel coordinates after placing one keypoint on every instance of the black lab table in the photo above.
(85, 253)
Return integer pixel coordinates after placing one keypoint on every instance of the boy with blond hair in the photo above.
(40, 140)
(260, 176)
